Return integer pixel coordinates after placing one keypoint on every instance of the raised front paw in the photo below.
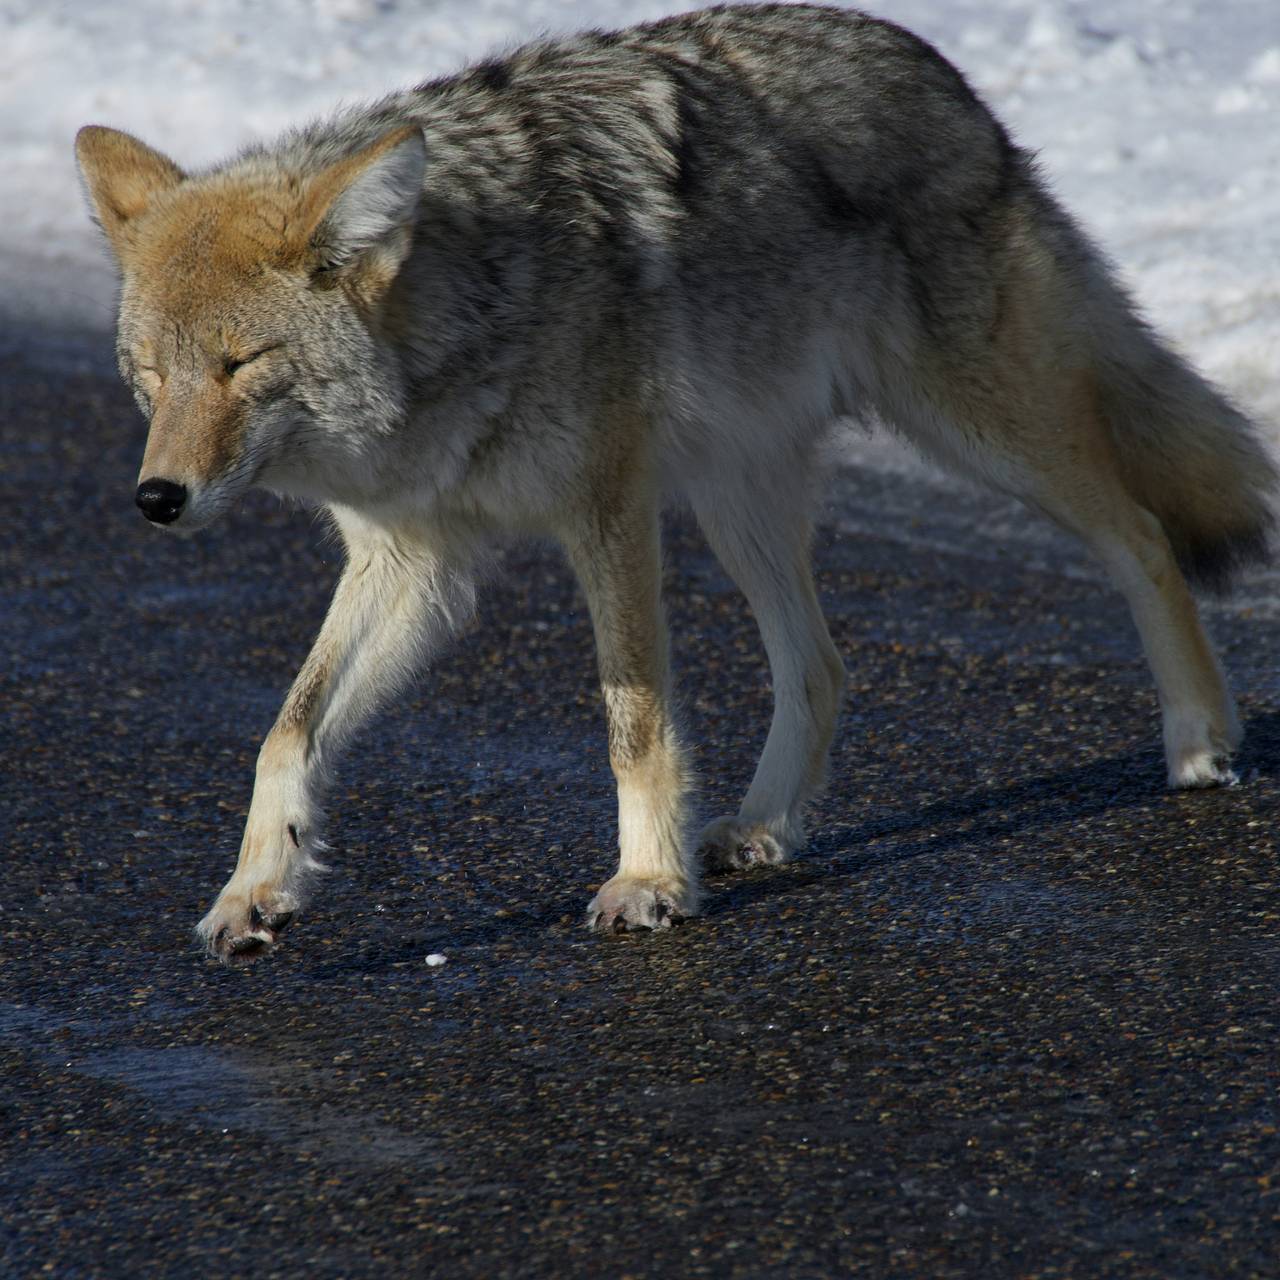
(625, 904)
(730, 844)
(244, 925)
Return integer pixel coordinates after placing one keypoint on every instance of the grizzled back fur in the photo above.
(729, 190)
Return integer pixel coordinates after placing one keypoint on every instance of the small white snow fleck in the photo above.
(435, 959)
(1235, 99)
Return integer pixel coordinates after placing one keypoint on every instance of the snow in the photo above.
(1159, 124)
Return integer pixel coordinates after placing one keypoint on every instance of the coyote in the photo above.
(542, 295)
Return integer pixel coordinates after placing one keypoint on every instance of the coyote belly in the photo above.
(545, 294)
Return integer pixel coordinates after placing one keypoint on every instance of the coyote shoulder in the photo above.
(544, 294)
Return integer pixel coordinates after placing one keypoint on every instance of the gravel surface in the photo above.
(1012, 1013)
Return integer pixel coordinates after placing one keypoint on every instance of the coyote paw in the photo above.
(241, 927)
(729, 844)
(624, 904)
(1203, 770)
(1198, 749)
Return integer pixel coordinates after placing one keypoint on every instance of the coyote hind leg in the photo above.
(1065, 465)
(762, 540)
(1200, 727)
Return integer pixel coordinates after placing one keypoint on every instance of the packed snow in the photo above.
(1159, 124)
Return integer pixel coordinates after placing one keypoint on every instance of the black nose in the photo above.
(161, 500)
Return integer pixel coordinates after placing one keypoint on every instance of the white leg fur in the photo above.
(1200, 726)
(614, 549)
(398, 597)
(1080, 487)
(1033, 426)
(763, 543)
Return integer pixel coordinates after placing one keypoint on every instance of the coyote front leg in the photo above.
(615, 551)
(397, 597)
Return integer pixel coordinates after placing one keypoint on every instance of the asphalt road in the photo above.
(1014, 1012)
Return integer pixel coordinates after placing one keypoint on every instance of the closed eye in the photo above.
(230, 364)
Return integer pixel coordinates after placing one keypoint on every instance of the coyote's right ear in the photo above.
(123, 177)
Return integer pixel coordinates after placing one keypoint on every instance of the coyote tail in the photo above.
(1186, 453)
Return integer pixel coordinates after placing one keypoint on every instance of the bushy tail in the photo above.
(1186, 452)
(1190, 457)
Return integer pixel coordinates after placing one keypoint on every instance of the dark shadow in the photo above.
(1117, 783)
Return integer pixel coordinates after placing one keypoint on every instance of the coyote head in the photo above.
(250, 307)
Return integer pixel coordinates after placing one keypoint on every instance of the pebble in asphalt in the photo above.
(1012, 1013)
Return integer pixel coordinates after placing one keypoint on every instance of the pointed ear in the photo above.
(123, 177)
(358, 214)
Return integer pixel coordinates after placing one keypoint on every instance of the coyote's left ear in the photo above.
(123, 177)
(358, 214)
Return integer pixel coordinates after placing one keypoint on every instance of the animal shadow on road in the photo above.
(1123, 781)
(1120, 782)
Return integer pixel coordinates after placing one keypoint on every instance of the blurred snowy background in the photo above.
(1157, 120)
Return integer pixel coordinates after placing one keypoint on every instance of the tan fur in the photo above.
(213, 232)
(197, 430)
(123, 176)
(612, 541)
(1044, 433)
(287, 740)
(196, 252)
(322, 190)
(535, 297)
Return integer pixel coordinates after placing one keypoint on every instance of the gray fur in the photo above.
(712, 196)
(664, 261)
